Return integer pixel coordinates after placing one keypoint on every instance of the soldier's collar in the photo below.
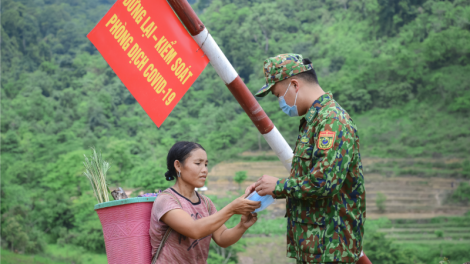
(317, 105)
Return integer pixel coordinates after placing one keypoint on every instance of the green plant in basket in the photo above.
(95, 171)
(445, 261)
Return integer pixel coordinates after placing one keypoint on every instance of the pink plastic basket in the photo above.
(126, 225)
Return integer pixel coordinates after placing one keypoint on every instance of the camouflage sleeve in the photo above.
(330, 154)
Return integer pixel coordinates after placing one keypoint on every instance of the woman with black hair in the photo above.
(184, 221)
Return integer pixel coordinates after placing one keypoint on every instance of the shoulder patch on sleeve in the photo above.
(304, 139)
(326, 139)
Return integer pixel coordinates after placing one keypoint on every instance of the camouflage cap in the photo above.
(280, 68)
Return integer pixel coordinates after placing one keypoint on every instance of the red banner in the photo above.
(151, 52)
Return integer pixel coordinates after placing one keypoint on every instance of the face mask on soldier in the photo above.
(289, 110)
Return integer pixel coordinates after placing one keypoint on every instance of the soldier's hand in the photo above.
(265, 185)
(250, 188)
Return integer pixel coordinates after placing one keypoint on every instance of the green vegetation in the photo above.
(240, 177)
(380, 201)
(387, 241)
(227, 255)
(381, 250)
(12, 258)
(461, 194)
(424, 167)
(444, 261)
(55, 254)
(427, 240)
(71, 253)
(399, 67)
(95, 171)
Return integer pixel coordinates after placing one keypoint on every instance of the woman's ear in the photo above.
(178, 166)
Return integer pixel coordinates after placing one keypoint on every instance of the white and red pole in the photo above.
(236, 85)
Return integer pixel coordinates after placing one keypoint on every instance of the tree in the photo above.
(240, 177)
(89, 232)
(13, 234)
(19, 236)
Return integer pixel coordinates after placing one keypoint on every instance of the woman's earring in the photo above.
(179, 174)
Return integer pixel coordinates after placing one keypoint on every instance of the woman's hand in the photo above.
(248, 220)
(250, 188)
(243, 206)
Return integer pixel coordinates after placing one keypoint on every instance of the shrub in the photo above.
(461, 194)
(379, 249)
(466, 169)
(240, 177)
(380, 201)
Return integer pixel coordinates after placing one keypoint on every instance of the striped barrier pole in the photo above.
(236, 86)
(234, 83)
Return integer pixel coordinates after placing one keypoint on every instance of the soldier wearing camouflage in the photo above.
(325, 194)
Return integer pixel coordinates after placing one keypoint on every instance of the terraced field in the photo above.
(407, 197)
(420, 217)
(422, 237)
(429, 233)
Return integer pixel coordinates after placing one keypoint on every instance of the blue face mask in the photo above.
(289, 110)
(265, 200)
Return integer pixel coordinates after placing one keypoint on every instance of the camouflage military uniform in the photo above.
(325, 193)
(326, 206)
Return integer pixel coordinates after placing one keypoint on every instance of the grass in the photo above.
(422, 230)
(55, 254)
(427, 242)
(430, 236)
(436, 226)
(271, 227)
(9, 257)
(76, 253)
(266, 250)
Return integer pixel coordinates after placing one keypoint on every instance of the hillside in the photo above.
(399, 67)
